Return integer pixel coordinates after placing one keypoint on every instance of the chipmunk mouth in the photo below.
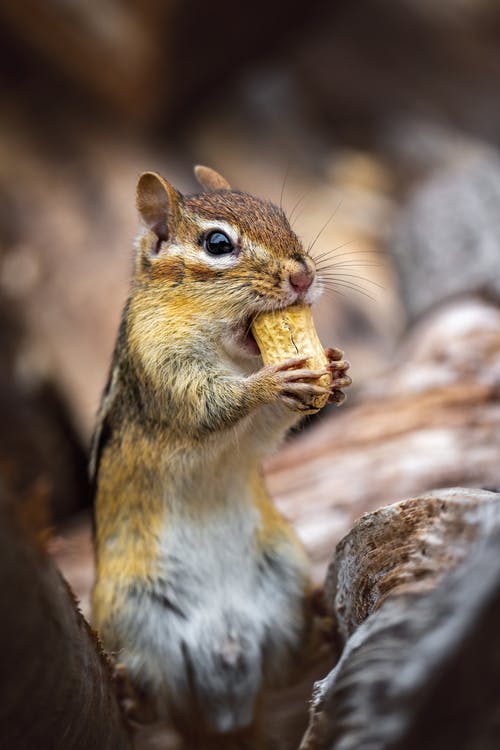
(244, 339)
(248, 341)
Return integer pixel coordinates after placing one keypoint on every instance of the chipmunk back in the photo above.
(202, 589)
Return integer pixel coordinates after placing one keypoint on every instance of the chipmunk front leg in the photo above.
(285, 382)
(225, 400)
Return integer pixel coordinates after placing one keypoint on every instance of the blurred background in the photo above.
(375, 122)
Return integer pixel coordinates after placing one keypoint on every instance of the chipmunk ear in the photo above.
(158, 204)
(210, 180)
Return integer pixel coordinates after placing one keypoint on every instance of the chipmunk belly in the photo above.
(225, 614)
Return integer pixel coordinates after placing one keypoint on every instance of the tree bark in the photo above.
(415, 590)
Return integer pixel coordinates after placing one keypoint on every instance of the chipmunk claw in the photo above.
(337, 397)
(333, 354)
(338, 367)
(336, 361)
(296, 384)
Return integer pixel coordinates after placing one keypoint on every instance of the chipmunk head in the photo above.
(222, 254)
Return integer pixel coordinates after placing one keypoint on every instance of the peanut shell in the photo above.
(283, 334)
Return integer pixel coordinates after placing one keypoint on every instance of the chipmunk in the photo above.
(202, 591)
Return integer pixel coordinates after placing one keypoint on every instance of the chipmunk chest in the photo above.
(208, 566)
(208, 539)
(210, 554)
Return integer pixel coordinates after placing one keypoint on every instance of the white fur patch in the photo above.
(226, 614)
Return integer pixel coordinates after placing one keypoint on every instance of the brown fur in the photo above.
(177, 406)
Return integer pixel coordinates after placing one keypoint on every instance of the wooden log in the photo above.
(56, 689)
(422, 651)
(436, 256)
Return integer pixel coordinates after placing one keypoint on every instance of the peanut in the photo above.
(283, 334)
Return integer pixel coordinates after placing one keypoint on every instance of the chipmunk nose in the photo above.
(301, 278)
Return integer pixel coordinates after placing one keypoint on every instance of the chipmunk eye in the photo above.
(218, 243)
